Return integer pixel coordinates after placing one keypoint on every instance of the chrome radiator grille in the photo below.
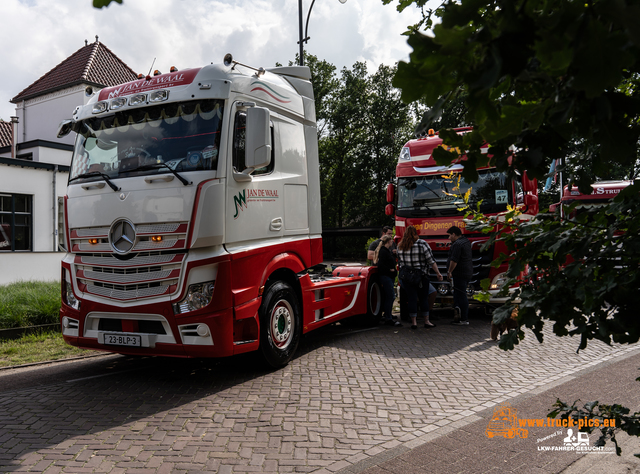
(144, 276)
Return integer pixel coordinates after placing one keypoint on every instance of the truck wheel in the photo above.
(280, 324)
(374, 300)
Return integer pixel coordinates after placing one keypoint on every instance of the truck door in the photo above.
(255, 209)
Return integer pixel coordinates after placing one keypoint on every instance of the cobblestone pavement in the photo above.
(351, 394)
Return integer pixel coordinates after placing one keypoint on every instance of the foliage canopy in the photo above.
(541, 75)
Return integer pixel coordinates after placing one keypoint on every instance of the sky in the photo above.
(39, 34)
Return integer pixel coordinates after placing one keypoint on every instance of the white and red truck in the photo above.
(192, 218)
(426, 197)
(602, 194)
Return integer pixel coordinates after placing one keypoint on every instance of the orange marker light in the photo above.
(156, 238)
(93, 241)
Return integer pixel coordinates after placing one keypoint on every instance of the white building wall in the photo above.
(39, 119)
(40, 266)
(38, 183)
(44, 114)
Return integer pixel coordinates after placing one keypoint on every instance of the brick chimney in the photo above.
(14, 136)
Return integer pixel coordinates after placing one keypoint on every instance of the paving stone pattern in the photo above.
(350, 395)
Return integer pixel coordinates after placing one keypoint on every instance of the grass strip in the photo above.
(40, 347)
(29, 303)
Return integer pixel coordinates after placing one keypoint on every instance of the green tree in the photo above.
(364, 125)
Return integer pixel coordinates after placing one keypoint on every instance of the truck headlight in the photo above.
(499, 281)
(198, 296)
(405, 154)
(67, 292)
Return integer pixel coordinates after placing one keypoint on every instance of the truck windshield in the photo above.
(435, 195)
(184, 136)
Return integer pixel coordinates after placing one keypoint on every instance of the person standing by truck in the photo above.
(386, 263)
(386, 230)
(459, 272)
(415, 255)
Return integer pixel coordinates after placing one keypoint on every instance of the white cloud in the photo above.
(39, 34)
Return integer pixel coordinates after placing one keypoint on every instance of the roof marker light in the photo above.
(156, 72)
(173, 69)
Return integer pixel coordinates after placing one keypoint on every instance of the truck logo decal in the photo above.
(122, 236)
(253, 195)
(240, 199)
(271, 93)
(180, 78)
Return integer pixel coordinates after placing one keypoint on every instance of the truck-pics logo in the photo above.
(244, 197)
(504, 422)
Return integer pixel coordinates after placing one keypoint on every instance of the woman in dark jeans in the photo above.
(386, 264)
(415, 253)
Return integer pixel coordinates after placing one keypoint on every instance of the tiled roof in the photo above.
(92, 64)
(5, 133)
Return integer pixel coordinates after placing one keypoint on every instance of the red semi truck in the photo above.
(425, 198)
(193, 221)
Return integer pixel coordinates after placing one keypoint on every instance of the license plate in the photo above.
(122, 340)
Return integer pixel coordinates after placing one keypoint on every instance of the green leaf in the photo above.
(104, 3)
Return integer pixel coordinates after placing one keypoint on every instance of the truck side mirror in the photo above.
(529, 185)
(258, 139)
(391, 192)
(389, 210)
(64, 128)
(531, 203)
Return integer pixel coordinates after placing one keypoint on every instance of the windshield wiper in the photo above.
(91, 174)
(161, 165)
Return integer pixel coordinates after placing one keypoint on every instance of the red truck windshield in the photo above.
(434, 195)
(184, 136)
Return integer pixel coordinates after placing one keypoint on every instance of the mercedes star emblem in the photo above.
(122, 236)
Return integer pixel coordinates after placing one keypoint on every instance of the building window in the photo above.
(16, 222)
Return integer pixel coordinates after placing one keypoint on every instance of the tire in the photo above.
(374, 300)
(280, 324)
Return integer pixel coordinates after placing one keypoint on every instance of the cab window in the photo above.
(239, 136)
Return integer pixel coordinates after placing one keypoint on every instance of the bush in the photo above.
(29, 303)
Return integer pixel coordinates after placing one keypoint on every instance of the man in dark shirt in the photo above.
(386, 230)
(460, 271)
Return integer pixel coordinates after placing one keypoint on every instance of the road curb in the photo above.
(69, 359)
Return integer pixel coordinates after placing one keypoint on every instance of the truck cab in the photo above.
(193, 217)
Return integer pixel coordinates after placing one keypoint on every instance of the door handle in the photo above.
(276, 224)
